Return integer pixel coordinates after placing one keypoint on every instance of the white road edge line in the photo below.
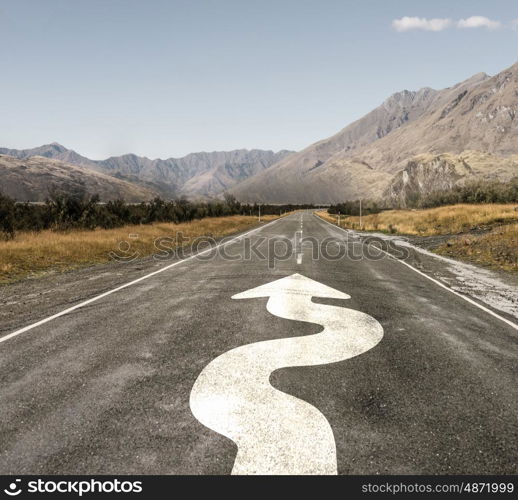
(437, 282)
(109, 292)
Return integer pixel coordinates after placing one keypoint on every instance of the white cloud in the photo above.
(514, 24)
(479, 22)
(420, 23)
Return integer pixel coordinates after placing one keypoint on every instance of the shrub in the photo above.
(7, 213)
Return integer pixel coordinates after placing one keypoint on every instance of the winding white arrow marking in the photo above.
(277, 433)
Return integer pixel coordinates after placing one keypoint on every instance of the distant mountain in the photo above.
(54, 150)
(37, 177)
(197, 175)
(413, 143)
(368, 158)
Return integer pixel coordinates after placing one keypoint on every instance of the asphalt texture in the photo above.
(105, 389)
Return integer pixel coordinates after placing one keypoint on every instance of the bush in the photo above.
(353, 207)
(7, 217)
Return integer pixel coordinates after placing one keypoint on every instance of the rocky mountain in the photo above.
(427, 172)
(35, 178)
(279, 184)
(480, 118)
(368, 158)
(197, 175)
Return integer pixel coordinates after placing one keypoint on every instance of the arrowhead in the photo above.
(295, 284)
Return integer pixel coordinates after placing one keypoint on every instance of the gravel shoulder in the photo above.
(495, 288)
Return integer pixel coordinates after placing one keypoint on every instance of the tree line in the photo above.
(353, 207)
(63, 212)
(471, 192)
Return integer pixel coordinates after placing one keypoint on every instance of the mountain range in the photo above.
(35, 178)
(392, 153)
(197, 175)
(413, 143)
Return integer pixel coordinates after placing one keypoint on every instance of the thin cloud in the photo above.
(420, 23)
(479, 22)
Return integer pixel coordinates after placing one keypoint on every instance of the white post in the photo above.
(259, 213)
(360, 214)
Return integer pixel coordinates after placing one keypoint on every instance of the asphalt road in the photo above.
(106, 388)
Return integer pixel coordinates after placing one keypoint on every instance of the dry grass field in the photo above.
(451, 219)
(497, 247)
(32, 254)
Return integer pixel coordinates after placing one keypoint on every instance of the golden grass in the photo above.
(498, 248)
(31, 254)
(451, 219)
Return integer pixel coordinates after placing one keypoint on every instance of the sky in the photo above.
(164, 78)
